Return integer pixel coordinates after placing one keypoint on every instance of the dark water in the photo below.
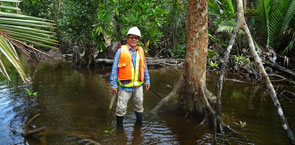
(74, 103)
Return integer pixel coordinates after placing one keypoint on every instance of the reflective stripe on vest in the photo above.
(126, 67)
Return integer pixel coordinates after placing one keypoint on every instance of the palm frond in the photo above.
(227, 26)
(9, 8)
(282, 13)
(28, 26)
(266, 8)
(19, 16)
(8, 50)
(3, 70)
(16, 1)
(231, 6)
(289, 47)
(21, 28)
(288, 17)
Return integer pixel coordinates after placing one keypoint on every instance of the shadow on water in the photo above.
(74, 103)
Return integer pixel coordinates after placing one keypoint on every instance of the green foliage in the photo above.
(98, 36)
(214, 65)
(174, 30)
(272, 19)
(154, 18)
(282, 13)
(241, 60)
(30, 93)
(178, 51)
(214, 39)
(108, 131)
(116, 17)
(222, 18)
(227, 26)
(168, 86)
(241, 124)
(74, 19)
(39, 8)
(261, 17)
(289, 47)
(92, 23)
(9, 7)
(221, 10)
(212, 53)
(75, 22)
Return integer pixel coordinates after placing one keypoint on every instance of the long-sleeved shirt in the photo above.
(114, 73)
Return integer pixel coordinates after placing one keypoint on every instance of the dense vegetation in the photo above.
(271, 22)
(91, 24)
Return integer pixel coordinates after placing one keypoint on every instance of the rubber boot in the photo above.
(138, 117)
(120, 121)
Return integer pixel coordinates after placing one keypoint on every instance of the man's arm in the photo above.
(114, 73)
(146, 76)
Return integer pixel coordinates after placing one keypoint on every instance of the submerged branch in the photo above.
(172, 97)
(34, 131)
(281, 68)
(31, 120)
(81, 135)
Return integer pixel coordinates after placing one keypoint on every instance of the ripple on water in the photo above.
(14, 109)
(151, 132)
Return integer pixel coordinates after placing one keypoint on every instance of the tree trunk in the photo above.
(194, 75)
(191, 91)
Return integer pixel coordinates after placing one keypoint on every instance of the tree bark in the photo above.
(191, 92)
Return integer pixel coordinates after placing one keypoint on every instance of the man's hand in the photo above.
(147, 87)
(114, 91)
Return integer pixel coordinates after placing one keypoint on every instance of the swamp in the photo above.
(221, 71)
(73, 105)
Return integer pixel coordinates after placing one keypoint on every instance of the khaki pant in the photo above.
(124, 96)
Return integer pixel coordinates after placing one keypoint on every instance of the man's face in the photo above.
(133, 40)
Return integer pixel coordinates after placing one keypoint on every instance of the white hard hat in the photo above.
(134, 31)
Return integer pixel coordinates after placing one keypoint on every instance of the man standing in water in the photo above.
(130, 72)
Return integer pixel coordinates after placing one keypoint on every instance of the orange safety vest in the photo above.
(127, 69)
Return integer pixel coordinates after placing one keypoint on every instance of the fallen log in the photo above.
(150, 61)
